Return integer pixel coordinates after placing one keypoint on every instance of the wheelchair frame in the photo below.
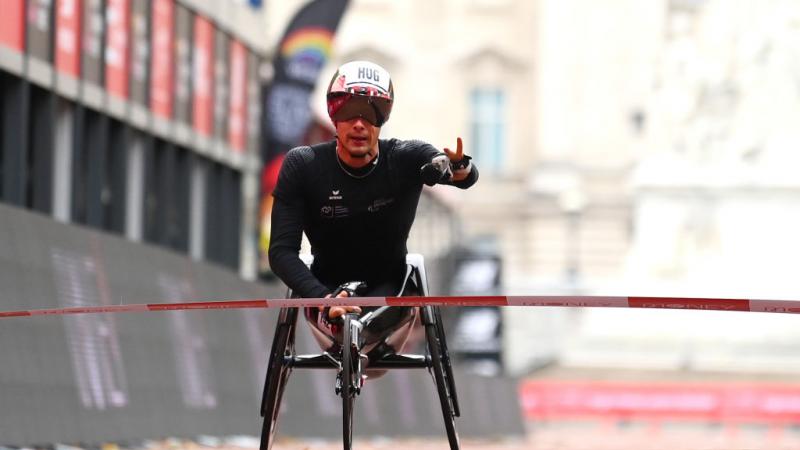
(348, 363)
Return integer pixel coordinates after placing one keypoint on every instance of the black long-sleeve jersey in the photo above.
(357, 220)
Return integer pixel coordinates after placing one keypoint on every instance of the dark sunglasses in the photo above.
(345, 106)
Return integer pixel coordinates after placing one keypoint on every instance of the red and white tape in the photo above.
(716, 304)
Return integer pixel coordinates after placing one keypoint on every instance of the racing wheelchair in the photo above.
(354, 345)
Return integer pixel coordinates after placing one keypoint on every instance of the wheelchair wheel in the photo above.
(277, 374)
(448, 367)
(349, 382)
(435, 346)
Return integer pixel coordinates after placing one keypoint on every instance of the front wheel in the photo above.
(349, 382)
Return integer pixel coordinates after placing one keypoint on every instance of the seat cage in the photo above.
(415, 272)
(415, 283)
(365, 342)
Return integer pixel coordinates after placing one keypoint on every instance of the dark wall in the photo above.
(115, 377)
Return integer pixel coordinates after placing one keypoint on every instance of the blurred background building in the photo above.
(628, 148)
(139, 118)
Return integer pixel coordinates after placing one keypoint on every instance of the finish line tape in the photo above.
(712, 304)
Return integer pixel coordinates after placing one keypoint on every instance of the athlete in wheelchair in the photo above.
(355, 198)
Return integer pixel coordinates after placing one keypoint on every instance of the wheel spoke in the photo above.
(442, 387)
(448, 367)
(277, 376)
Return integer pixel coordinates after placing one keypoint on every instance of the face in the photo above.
(358, 139)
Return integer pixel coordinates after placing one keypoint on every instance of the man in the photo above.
(355, 197)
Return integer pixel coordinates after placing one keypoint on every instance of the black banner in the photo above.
(93, 42)
(253, 102)
(140, 52)
(40, 29)
(302, 52)
(221, 83)
(183, 64)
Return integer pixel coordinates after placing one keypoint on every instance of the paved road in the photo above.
(556, 439)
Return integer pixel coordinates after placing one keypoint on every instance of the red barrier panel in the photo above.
(203, 72)
(117, 56)
(12, 25)
(731, 402)
(68, 37)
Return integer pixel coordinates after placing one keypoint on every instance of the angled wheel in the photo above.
(435, 346)
(448, 367)
(349, 385)
(277, 374)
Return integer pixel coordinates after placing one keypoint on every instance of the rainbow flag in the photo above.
(302, 53)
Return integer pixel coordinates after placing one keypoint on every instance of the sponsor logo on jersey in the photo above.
(379, 203)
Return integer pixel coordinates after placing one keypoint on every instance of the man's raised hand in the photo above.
(456, 157)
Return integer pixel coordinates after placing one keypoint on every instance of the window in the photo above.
(3, 114)
(88, 166)
(13, 143)
(113, 199)
(166, 207)
(39, 157)
(488, 127)
(99, 170)
(223, 197)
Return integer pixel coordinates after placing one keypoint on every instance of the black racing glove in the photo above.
(463, 164)
(436, 171)
(353, 289)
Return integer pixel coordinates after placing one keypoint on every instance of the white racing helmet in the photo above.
(360, 89)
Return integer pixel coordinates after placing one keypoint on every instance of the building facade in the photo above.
(136, 117)
(504, 75)
(626, 148)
